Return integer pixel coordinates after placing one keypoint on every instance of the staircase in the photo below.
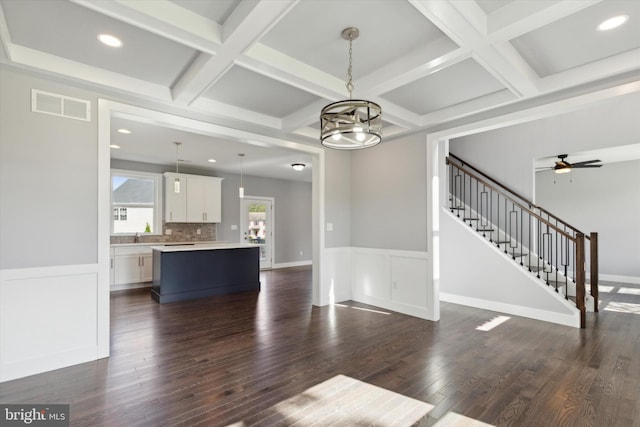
(552, 250)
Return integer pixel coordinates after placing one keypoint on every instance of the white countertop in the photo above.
(210, 242)
(173, 247)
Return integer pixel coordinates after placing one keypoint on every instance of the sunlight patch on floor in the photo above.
(451, 419)
(623, 307)
(489, 325)
(606, 289)
(363, 309)
(629, 291)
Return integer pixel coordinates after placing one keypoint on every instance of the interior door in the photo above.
(257, 220)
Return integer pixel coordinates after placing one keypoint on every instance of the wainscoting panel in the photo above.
(392, 279)
(48, 318)
(336, 278)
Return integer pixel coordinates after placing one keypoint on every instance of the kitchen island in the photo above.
(189, 271)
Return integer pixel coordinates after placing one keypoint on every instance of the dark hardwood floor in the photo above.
(221, 360)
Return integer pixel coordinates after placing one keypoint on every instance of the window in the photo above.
(136, 202)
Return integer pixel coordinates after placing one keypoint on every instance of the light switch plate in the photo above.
(329, 226)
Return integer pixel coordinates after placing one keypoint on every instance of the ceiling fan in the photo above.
(563, 166)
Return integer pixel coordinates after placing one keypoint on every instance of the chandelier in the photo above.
(353, 123)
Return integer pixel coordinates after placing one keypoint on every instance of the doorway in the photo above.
(257, 226)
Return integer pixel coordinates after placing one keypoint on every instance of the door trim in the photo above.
(272, 224)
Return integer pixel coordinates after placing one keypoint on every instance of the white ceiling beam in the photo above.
(221, 109)
(476, 105)
(68, 68)
(592, 72)
(517, 18)
(245, 28)
(276, 65)
(163, 18)
(411, 67)
(462, 27)
(5, 37)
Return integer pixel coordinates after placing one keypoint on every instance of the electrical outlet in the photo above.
(167, 232)
(234, 227)
(198, 231)
(300, 253)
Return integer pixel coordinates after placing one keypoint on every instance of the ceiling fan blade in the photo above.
(579, 164)
(586, 166)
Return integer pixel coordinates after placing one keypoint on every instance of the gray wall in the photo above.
(606, 200)
(508, 154)
(48, 179)
(292, 213)
(338, 198)
(388, 195)
(292, 208)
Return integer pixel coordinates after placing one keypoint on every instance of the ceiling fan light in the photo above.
(562, 170)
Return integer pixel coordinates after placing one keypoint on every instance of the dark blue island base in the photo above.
(180, 275)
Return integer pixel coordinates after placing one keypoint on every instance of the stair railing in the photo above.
(536, 239)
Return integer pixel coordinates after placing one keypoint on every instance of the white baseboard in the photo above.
(623, 279)
(291, 264)
(532, 313)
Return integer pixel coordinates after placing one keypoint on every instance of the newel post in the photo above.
(580, 273)
(593, 246)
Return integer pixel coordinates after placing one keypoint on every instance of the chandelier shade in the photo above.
(351, 124)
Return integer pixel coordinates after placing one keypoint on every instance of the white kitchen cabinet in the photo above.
(132, 264)
(175, 204)
(199, 200)
(203, 199)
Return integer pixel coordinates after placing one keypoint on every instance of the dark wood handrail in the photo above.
(462, 164)
(508, 196)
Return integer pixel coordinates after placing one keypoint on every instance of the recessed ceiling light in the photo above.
(125, 131)
(110, 40)
(211, 160)
(612, 23)
(114, 146)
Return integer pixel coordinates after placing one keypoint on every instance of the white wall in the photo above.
(605, 200)
(474, 272)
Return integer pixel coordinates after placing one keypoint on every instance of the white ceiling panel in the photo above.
(312, 33)
(217, 10)
(63, 29)
(462, 82)
(150, 143)
(252, 91)
(549, 50)
(265, 66)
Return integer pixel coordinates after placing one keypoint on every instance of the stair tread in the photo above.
(518, 254)
(484, 229)
(457, 208)
(471, 219)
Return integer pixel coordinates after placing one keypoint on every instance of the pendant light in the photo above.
(353, 123)
(241, 189)
(176, 181)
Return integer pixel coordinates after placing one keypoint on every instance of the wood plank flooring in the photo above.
(220, 360)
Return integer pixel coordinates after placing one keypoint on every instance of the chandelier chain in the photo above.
(349, 83)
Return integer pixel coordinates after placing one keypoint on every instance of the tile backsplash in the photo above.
(180, 232)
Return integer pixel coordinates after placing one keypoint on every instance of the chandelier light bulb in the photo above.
(360, 136)
(336, 137)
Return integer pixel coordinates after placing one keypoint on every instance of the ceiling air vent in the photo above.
(60, 105)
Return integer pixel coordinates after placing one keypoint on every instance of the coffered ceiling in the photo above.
(270, 65)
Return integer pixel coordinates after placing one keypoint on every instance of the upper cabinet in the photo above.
(199, 199)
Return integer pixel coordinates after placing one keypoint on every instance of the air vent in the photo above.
(60, 105)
